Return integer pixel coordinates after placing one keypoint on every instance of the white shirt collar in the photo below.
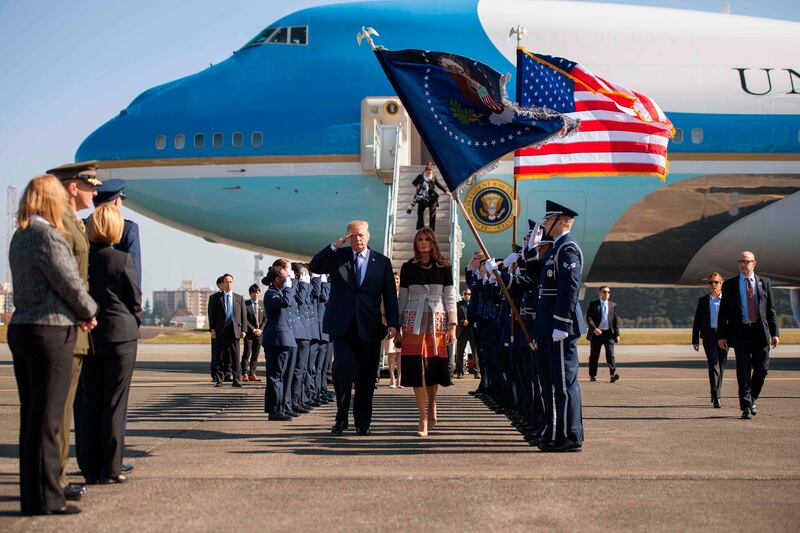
(557, 238)
(39, 220)
(751, 277)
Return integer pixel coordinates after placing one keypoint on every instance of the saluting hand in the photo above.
(339, 243)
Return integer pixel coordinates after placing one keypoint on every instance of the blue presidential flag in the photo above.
(462, 113)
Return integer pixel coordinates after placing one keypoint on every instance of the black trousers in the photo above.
(226, 348)
(106, 383)
(310, 386)
(752, 364)
(278, 359)
(421, 206)
(356, 361)
(596, 342)
(461, 345)
(322, 368)
(716, 357)
(250, 355)
(42, 365)
(299, 373)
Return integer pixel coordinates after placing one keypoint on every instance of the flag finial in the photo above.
(365, 33)
(520, 31)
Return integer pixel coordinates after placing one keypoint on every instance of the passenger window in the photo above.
(678, 138)
(299, 35)
(238, 139)
(279, 36)
(257, 139)
(199, 140)
(161, 142)
(180, 141)
(697, 135)
(217, 140)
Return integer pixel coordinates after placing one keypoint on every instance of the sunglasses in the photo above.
(713, 282)
(745, 261)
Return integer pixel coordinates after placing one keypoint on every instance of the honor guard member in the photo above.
(80, 181)
(113, 191)
(558, 328)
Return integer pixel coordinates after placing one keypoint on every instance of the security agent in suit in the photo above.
(463, 332)
(113, 191)
(360, 279)
(747, 323)
(227, 322)
(557, 328)
(279, 341)
(603, 332)
(256, 319)
(706, 326)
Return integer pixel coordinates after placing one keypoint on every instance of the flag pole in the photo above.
(514, 311)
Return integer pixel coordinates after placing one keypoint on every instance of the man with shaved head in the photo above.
(747, 323)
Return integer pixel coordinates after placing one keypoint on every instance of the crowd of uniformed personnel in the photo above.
(537, 388)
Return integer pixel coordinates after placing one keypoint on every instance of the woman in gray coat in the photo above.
(51, 301)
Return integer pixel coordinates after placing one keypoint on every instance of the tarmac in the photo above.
(657, 457)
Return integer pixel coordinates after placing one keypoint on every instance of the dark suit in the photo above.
(107, 372)
(716, 356)
(353, 320)
(463, 336)
(431, 203)
(594, 315)
(227, 333)
(278, 339)
(256, 319)
(750, 342)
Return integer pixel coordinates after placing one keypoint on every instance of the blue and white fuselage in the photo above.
(263, 150)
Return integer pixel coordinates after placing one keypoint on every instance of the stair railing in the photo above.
(391, 211)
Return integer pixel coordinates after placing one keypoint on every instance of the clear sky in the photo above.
(67, 67)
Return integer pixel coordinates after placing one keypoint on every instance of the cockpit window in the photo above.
(297, 35)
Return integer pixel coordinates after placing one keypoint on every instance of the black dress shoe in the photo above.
(300, 409)
(67, 509)
(363, 432)
(753, 409)
(324, 401)
(237, 384)
(74, 492)
(592, 378)
(278, 417)
(472, 392)
(614, 378)
(560, 446)
(338, 429)
(127, 467)
(218, 384)
(717, 403)
(313, 403)
(746, 414)
(293, 414)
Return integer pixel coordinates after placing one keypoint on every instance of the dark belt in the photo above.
(548, 292)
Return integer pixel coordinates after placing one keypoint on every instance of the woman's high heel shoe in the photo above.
(423, 429)
(433, 417)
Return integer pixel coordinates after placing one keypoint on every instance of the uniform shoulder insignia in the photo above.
(569, 266)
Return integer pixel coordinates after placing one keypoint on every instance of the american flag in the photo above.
(621, 132)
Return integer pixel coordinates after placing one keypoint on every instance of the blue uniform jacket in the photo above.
(559, 283)
(278, 331)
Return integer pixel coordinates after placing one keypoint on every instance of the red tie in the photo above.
(752, 315)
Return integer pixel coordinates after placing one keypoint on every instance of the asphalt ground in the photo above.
(657, 457)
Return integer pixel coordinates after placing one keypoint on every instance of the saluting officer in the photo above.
(557, 328)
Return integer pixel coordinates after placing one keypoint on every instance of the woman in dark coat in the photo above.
(50, 301)
(107, 371)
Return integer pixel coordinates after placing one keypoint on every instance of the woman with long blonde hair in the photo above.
(51, 301)
(427, 304)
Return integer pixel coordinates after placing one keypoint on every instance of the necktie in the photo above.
(360, 267)
(605, 313)
(752, 314)
(228, 308)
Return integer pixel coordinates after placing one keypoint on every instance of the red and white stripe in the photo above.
(621, 132)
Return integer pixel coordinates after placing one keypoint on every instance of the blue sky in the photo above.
(69, 66)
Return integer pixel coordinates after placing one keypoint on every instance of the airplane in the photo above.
(271, 148)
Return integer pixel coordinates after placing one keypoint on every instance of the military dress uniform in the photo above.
(559, 283)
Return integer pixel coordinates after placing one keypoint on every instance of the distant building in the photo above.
(6, 302)
(188, 300)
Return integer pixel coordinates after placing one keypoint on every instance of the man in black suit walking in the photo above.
(360, 279)
(256, 319)
(747, 323)
(706, 326)
(463, 333)
(601, 318)
(227, 322)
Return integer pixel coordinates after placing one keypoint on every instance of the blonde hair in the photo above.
(43, 196)
(358, 223)
(715, 275)
(105, 224)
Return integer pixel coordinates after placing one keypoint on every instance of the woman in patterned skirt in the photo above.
(427, 302)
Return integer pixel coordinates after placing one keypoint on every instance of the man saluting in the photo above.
(360, 278)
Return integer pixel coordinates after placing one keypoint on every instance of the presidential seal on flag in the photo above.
(490, 205)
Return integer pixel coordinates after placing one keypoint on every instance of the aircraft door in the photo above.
(387, 146)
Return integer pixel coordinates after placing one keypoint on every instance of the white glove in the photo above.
(493, 281)
(559, 335)
(491, 266)
(324, 278)
(315, 276)
(511, 259)
(288, 283)
(535, 237)
(291, 273)
(305, 278)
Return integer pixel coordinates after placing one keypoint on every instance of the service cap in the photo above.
(109, 191)
(84, 170)
(553, 209)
